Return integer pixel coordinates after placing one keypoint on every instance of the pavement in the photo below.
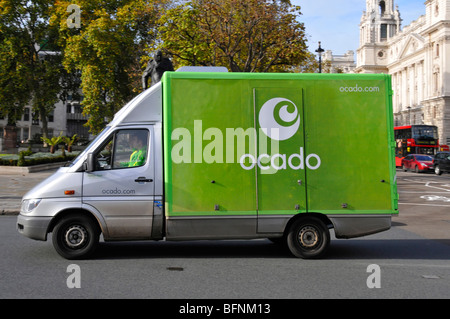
(14, 186)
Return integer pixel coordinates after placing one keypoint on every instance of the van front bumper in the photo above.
(33, 227)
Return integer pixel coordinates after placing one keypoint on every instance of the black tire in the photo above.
(404, 168)
(308, 238)
(437, 170)
(75, 237)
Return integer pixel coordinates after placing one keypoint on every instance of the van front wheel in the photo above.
(75, 237)
(308, 238)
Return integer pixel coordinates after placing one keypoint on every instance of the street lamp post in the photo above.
(320, 51)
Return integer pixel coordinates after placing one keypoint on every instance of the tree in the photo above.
(243, 35)
(46, 87)
(14, 86)
(29, 72)
(309, 65)
(107, 50)
(53, 142)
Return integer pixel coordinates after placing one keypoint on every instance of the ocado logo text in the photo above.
(279, 120)
(281, 161)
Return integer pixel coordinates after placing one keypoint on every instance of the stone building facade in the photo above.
(339, 63)
(65, 119)
(417, 57)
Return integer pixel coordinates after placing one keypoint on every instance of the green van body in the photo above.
(343, 168)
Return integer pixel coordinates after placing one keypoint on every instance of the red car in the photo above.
(417, 163)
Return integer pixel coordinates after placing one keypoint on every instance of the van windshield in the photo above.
(93, 142)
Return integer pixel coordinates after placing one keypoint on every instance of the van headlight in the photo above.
(29, 204)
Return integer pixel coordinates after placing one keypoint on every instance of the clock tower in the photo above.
(379, 23)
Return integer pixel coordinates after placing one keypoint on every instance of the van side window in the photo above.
(130, 149)
(103, 156)
(124, 149)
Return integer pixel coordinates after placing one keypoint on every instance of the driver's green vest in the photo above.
(137, 158)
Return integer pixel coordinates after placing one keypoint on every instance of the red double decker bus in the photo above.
(415, 139)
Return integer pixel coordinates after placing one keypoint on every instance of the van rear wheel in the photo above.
(75, 237)
(308, 238)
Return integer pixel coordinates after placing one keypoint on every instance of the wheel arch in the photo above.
(80, 212)
(320, 216)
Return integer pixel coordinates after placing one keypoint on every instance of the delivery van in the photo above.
(218, 155)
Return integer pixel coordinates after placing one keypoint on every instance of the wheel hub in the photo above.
(308, 237)
(76, 236)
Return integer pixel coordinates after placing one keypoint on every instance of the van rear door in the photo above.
(280, 173)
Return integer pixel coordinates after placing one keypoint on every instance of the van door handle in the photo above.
(142, 179)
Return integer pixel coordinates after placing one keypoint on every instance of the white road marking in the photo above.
(435, 198)
(434, 205)
(428, 185)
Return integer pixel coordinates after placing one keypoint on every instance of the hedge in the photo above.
(36, 159)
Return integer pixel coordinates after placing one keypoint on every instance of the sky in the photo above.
(336, 22)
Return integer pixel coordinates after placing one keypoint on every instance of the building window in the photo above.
(77, 108)
(35, 119)
(383, 32)
(382, 7)
(26, 115)
(51, 116)
(25, 133)
(436, 80)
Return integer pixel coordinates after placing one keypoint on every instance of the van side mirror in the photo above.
(89, 165)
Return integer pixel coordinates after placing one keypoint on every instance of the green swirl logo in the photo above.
(279, 118)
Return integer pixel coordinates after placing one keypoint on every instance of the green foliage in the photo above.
(55, 140)
(30, 60)
(243, 35)
(107, 50)
(69, 141)
(106, 55)
(22, 159)
(22, 154)
(14, 53)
